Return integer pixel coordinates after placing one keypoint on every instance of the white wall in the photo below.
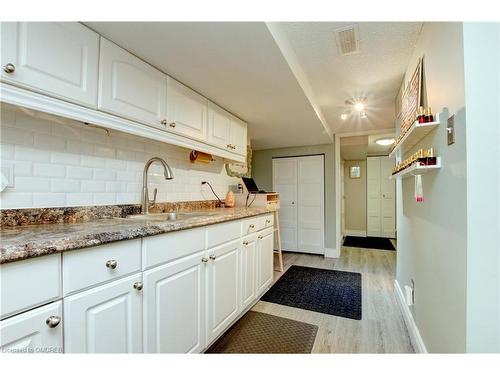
(432, 235)
(72, 164)
(482, 84)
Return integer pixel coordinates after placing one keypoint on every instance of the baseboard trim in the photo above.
(416, 339)
(332, 253)
(355, 233)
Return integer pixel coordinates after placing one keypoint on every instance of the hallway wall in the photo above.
(432, 240)
(355, 197)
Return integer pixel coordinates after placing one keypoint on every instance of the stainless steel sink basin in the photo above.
(170, 216)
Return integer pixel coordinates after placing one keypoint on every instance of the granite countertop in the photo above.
(23, 242)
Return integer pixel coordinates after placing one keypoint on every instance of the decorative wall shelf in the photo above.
(416, 169)
(414, 135)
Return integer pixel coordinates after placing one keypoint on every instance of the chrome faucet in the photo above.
(145, 193)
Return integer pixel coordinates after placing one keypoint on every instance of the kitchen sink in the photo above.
(170, 216)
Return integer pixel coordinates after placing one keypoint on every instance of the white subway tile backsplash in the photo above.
(70, 164)
(48, 170)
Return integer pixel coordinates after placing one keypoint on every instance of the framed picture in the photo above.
(355, 171)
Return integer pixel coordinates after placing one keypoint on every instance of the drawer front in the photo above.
(95, 265)
(29, 283)
(169, 246)
(251, 225)
(35, 331)
(223, 232)
(266, 221)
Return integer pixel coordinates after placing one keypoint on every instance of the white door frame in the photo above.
(338, 198)
(324, 190)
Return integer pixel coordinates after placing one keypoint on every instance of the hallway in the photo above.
(381, 330)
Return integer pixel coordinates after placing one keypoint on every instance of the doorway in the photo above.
(300, 181)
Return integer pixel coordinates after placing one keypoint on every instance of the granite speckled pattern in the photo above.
(23, 242)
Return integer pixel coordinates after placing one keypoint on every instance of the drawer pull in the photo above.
(53, 321)
(251, 226)
(9, 68)
(268, 221)
(172, 124)
(213, 257)
(204, 259)
(261, 237)
(245, 243)
(111, 264)
(138, 285)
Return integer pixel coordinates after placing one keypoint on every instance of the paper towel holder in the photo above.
(201, 157)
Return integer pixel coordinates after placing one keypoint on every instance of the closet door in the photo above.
(311, 207)
(373, 214)
(387, 200)
(285, 183)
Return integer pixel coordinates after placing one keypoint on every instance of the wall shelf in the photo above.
(416, 169)
(414, 135)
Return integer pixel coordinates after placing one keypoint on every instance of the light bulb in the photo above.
(343, 116)
(359, 106)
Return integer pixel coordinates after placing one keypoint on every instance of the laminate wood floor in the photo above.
(382, 328)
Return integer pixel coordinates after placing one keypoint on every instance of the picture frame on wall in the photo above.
(355, 171)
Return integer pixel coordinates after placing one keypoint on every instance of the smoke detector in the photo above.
(347, 40)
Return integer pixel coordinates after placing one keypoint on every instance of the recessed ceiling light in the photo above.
(359, 106)
(343, 116)
(385, 141)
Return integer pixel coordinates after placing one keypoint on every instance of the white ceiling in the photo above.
(286, 80)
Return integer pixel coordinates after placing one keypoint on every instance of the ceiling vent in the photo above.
(347, 40)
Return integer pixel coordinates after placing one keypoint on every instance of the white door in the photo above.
(300, 182)
(174, 306)
(248, 274)
(311, 206)
(285, 183)
(219, 123)
(388, 202)
(105, 319)
(36, 331)
(223, 282)
(59, 59)
(131, 88)
(265, 260)
(373, 220)
(380, 202)
(238, 136)
(186, 111)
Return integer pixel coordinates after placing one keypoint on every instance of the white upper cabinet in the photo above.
(187, 111)
(238, 136)
(131, 88)
(219, 124)
(58, 59)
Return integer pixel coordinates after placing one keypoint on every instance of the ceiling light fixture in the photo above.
(343, 116)
(359, 106)
(385, 141)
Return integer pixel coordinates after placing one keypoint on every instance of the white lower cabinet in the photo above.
(105, 319)
(265, 271)
(174, 306)
(223, 281)
(248, 270)
(36, 331)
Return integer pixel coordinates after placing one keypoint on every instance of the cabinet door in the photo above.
(265, 245)
(55, 58)
(131, 88)
(238, 136)
(219, 123)
(223, 281)
(31, 332)
(248, 274)
(174, 306)
(186, 111)
(105, 319)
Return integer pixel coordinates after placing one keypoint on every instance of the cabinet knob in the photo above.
(268, 221)
(111, 264)
(9, 68)
(204, 259)
(260, 237)
(213, 257)
(245, 243)
(164, 122)
(172, 124)
(53, 321)
(228, 146)
(138, 285)
(251, 226)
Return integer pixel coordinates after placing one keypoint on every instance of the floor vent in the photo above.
(347, 40)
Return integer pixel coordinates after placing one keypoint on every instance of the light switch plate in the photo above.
(450, 130)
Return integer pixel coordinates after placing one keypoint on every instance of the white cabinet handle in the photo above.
(9, 68)
(111, 264)
(53, 321)
(138, 285)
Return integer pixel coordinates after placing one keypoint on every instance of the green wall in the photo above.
(262, 172)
